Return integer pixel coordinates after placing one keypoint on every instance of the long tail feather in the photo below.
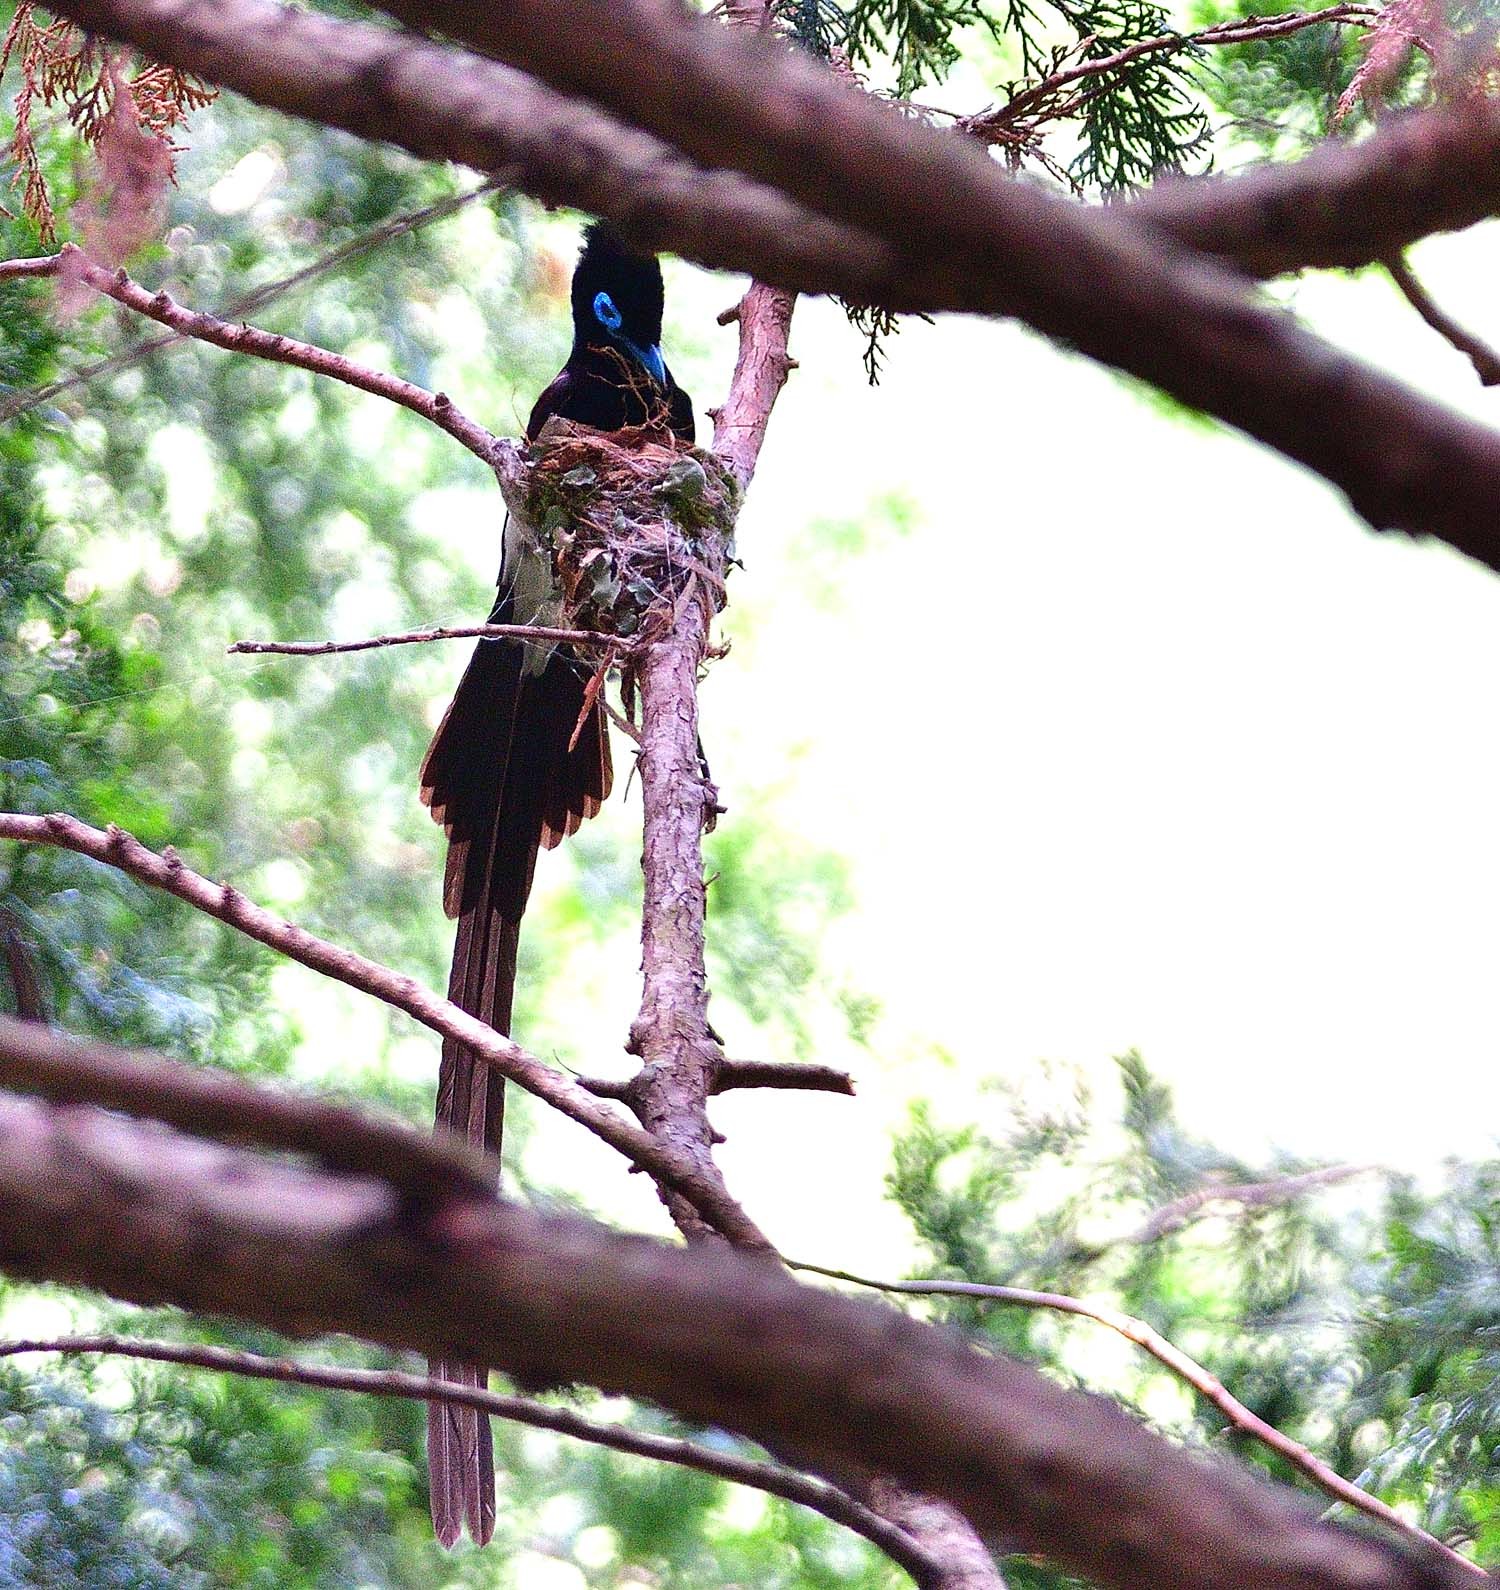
(500, 778)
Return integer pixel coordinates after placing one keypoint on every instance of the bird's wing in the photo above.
(680, 410)
(549, 403)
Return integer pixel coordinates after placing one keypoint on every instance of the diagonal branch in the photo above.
(73, 264)
(1208, 1386)
(397, 226)
(215, 1104)
(772, 1478)
(709, 1333)
(1030, 103)
(1345, 204)
(662, 1161)
(1485, 360)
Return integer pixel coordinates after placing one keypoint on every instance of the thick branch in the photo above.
(679, 1055)
(760, 371)
(713, 1335)
(769, 1477)
(446, 104)
(1098, 281)
(1209, 1386)
(210, 1103)
(1346, 203)
(118, 849)
(1104, 283)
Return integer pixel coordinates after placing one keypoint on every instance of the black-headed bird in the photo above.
(504, 781)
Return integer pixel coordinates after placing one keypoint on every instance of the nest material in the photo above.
(633, 525)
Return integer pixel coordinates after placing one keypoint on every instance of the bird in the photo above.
(516, 765)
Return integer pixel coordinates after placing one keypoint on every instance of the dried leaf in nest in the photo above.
(633, 523)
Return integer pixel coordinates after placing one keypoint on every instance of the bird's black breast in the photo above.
(601, 388)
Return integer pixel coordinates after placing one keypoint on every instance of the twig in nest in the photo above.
(591, 695)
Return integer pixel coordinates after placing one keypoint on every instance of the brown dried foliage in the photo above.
(1403, 26)
(118, 115)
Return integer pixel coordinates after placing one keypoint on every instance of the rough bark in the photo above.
(152, 1216)
(1104, 283)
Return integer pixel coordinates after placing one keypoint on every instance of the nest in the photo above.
(633, 525)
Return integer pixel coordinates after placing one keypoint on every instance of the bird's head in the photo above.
(617, 300)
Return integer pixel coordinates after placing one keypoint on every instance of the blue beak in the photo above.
(652, 359)
(649, 359)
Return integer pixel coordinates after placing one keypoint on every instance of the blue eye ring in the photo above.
(605, 312)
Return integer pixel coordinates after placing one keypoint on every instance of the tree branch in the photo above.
(1485, 360)
(1026, 104)
(397, 226)
(1172, 1217)
(1103, 283)
(779, 1074)
(764, 315)
(72, 263)
(1213, 1390)
(210, 1103)
(446, 104)
(1345, 204)
(772, 1478)
(413, 637)
(711, 1334)
(118, 849)
(20, 965)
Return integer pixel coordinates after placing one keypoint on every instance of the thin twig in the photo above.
(1173, 1216)
(741, 1074)
(769, 1477)
(398, 226)
(662, 1160)
(1327, 1479)
(414, 637)
(437, 407)
(774, 1074)
(1485, 360)
(1241, 30)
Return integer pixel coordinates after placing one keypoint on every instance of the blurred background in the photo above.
(1105, 797)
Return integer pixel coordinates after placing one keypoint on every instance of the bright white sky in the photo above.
(1139, 738)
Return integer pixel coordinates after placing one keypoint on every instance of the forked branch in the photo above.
(226, 904)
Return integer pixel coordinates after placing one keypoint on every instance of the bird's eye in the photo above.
(605, 312)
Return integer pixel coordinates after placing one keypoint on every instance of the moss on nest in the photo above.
(629, 522)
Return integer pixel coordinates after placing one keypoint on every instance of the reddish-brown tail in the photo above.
(500, 778)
